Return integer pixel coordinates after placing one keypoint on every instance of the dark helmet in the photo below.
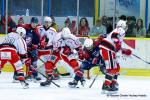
(34, 20)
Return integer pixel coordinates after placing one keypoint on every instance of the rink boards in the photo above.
(131, 66)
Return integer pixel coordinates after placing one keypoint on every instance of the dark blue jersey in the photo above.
(92, 54)
(32, 38)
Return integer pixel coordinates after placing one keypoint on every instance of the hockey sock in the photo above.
(108, 79)
(77, 78)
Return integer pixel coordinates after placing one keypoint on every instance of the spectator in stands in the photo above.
(21, 22)
(11, 24)
(2, 30)
(131, 25)
(73, 27)
(109, 27)
(148, 31)
(123, 17)
(104, 20)
(98, 29)
(67, 22)
(54, 25)
(83, 27)
(139, 30)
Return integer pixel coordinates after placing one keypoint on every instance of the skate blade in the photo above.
(44, 85)
(25, 85)
(73, 86)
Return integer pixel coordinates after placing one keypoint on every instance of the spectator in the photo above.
(21, 22)
(54, 25)
(131, 26)
(109, 27)
(67, 23)
(98, 29)
(104, 20)
(123, 17)
(139, 30)
(73, 27)
(2, 30)
(11, 24)
(83, 27)
(148, 31)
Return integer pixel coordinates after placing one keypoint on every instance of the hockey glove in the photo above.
(127, 52)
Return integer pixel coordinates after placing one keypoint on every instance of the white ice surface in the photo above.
(131, 88)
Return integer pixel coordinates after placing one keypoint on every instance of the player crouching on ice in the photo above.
(109, 47)
(12, 50)
(90, 57)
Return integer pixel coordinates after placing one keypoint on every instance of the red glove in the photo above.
(117, 46)
(80, 54)
(34, 46)
(67, 50)
(127, 52)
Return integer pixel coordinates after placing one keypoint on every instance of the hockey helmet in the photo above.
(66, 32)
(21, 31)
(88, 43)
(122, 23)
(34, 20)
(48, 20)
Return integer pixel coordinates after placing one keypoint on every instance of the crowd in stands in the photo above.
(103, 25)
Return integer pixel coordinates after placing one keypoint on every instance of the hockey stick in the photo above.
(45, 76)
(48, 79)
(93, 81)
(64, 74)
(140, 58)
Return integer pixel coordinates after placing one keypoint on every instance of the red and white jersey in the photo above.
(71, 42)
(16, 40)
(47, 33)
(116, 36)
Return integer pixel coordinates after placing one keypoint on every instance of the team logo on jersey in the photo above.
(5, 55)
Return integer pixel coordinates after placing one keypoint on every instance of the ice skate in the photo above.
(73, 84)
(46, 83)
(82, 82)
(24, 84)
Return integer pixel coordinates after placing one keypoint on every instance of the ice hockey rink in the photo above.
(131, 88)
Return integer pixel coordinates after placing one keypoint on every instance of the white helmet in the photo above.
(66, 33)
(48, 19)
(88, 42)
(21, 31)
(122, 23)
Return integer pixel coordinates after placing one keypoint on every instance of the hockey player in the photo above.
(64, 45)
(109, 47)
(12, 50)
(32, 39)
(47, 33)
(90, 57)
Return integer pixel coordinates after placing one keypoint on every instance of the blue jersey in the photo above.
(31, 38)
(92, 54)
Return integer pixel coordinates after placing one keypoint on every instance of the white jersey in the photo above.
(49, 33)
(72, 42)
(117, 35)
(16, 40)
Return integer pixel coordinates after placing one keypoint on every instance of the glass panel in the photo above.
(23, 7)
